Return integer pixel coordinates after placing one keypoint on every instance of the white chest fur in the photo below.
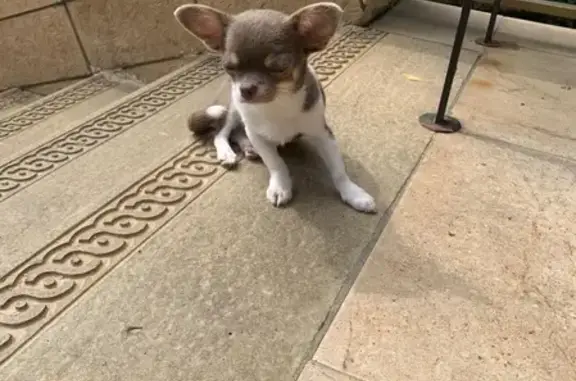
(282, 119)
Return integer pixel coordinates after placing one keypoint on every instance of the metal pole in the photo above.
(488, 41)
(439, 122)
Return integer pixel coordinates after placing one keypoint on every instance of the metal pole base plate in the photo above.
(447, 126)
(489, 44)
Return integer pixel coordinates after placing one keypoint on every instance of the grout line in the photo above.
(29, 11)
(358, 266)
(464, 83)
(428, 40)
(520, 148)
(74, 78)
(160, 60)
(77, 36)
(333, 370)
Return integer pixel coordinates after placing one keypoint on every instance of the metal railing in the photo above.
(439, 121)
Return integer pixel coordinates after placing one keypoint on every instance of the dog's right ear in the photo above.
(205, 23)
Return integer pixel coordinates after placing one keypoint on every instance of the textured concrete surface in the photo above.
(127, 252)
(473, 277)
(39, 47)
(524, 97)
(12, 99)
(254, 287)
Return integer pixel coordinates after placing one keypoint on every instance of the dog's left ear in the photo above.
(207, 24)
(316, 24)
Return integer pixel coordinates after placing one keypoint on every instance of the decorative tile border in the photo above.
(37, 291)
(52, 105)
(29, 168)
(329, 63)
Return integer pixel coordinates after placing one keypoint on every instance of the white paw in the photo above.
(279, 190)
(357, 198)
(227, 157)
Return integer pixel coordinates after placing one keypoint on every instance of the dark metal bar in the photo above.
(492, 23)
(439, 122)
(488, 41)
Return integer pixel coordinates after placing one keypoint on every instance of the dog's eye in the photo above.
(279, 63)
(277, 69)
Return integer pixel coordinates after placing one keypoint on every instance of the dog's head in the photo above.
(264, 51)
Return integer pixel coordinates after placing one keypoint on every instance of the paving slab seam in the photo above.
(32, 166)
(429, 40)
(349, 376)
(77, 36)
(563, 160)
(40, 289)
(52, 104)
(29, 11)
(355, 270)
(465, 81)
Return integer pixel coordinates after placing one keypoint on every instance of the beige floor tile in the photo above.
(523, 97)
(473, 277)
(537, 36)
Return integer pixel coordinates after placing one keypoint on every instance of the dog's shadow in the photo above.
(315, 197)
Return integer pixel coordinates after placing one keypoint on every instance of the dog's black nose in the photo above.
(248, 91)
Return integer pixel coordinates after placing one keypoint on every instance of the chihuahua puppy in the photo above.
(275, 94)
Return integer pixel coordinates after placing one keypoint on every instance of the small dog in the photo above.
(275, 94)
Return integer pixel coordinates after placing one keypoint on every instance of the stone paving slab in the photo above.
(473, 277)
(189, 273)
(524, 97)
(536, 36)
(434, 22)
(50, 116)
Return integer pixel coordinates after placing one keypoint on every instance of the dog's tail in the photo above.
(207, 122)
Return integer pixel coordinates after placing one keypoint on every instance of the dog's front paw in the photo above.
(279, 190)
(358, 198)
(227, 158)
